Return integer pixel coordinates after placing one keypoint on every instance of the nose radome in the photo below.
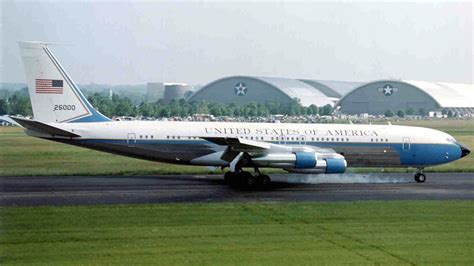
(464, 149)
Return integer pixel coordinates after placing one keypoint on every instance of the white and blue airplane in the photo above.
(63, 114)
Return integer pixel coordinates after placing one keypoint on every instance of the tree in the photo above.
(103, 103)
(146, 109)
(312, 110)
(202, 108)
(251, 109)
(388, 113)
(124, 107)
(294, 108)
(19, 105)
(4, 108)
(164, 113)
(262, 110)
(400, 113)
(410, 111)
(326, 110)
(450, 114)
(216, 109)
(422, 112)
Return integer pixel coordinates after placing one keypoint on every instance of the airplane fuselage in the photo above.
(184, 143)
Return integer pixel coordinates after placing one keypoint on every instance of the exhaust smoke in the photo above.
(371, 178)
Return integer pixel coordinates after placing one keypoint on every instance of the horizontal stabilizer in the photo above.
(42, 127)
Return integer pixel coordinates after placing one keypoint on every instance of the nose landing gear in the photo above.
(419, 176)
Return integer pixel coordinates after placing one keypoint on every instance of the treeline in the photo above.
(121, 106)
(19, 104)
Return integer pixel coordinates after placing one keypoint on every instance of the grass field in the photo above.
(397, 232)
(24, 155)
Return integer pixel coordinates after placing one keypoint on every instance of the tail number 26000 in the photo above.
(64, 107)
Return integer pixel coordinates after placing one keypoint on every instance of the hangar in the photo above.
(247, 89)
(379, 96)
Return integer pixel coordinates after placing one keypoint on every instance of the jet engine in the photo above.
(303, 162)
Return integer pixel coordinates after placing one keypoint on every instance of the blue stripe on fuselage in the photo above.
(417, 155)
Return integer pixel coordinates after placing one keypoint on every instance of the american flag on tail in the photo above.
(54, 86)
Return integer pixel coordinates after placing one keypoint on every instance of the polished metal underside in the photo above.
(185, 152)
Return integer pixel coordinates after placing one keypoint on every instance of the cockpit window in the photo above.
(451, 140)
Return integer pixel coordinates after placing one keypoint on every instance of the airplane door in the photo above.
(406, 144)
(131, 139)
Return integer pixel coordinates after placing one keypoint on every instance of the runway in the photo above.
(89, 190)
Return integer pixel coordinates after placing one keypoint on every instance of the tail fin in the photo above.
(54, 96)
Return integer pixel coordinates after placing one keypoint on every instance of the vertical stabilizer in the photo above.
(54, 96)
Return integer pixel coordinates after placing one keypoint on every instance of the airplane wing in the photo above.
(43, 128)
(293, 158)
(236, 146)
(239, 144)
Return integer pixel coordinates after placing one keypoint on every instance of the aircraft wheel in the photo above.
(248, 179)
(264, 180)
(420, 178)
(228, 177)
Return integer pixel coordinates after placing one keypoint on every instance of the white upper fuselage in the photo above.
(268, 132)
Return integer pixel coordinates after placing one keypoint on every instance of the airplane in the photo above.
(63, 114)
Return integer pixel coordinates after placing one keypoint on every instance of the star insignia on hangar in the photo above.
(240, 89)
(388, 90)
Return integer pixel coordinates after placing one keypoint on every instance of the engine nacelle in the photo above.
(303, 162)
(335, 165)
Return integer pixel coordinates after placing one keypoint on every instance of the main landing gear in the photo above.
(419, 176)
(244, 179)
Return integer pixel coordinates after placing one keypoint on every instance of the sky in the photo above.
(198, 42)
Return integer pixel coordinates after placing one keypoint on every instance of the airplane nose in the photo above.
(464, 149)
